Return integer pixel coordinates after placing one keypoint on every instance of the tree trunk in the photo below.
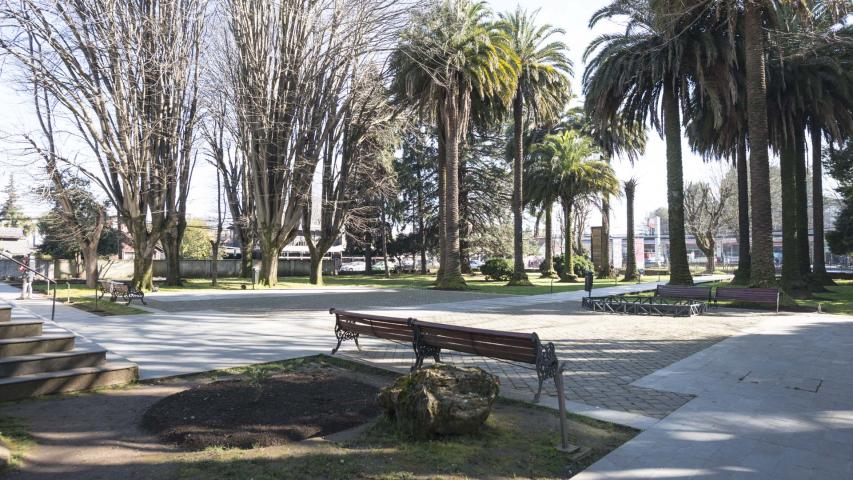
(442, 202)
(269, 259)
(90, 263)
(452, 278)
(214, 274)
(385, 244)
(762, 268)
(678, 266)
(421, 229)
(792, 280)
(548, 271)
(463, 224)
(710, 252)
(631, 262)
(743, 264)
(315, 276)
(143, 255)
(568, 254)
(803, 253)
(143, 270)
(519, 276)
(820, 276)
(172, 248)
(604, 271)
(247, 248)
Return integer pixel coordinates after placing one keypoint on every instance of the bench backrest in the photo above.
(119, 287)
(755, 295)
(683, 291)
(518, 347)
(389, 328)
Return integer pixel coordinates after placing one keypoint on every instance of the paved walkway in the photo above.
(774, 403)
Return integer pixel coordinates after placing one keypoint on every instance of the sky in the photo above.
(570, 15)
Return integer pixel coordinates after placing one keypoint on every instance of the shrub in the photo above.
(580, 263)
(497, 269)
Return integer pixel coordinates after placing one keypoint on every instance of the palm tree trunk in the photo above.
(568, 254)
(452, 278)
(802, 206)
(631, 262)
(548, 271)
(762, 269)
(679, 269)
(792, 280)
(604, 271)
(742, 272)
(820, 276)
(519, 277)
(442, 202)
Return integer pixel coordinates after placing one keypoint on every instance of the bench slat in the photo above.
(484, 350)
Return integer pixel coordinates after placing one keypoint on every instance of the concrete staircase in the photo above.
(37, 357)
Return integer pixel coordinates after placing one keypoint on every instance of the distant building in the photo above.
(13, 241)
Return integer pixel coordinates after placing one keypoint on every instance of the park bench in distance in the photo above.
(767, 296)
(684, 292)
(120, 289)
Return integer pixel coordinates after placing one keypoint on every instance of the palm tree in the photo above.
(645, 73)
(631, 273)
(756, 15)
(615, 139)
(542, 90)
(810, 85)
(563, 166)
(450, 54)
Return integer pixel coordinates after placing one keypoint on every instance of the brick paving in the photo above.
(603, 354)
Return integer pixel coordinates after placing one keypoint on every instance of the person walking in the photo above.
(28, 277)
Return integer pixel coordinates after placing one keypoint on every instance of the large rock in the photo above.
(440, 400)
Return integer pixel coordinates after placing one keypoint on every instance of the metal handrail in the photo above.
(45, 277)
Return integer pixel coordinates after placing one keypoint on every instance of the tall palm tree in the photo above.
(631, 272)
(756, 16)
(564, 166)
(542, 90)
(810, 83)
(615, 139)
(450, 54)
(645, 73)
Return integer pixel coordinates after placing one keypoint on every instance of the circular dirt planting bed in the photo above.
(289, 407)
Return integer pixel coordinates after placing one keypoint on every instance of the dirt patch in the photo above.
(289, 407)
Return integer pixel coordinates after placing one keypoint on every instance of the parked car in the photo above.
(475, 264)
(379, 266)
(352, 267)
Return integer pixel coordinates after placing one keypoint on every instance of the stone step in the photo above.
(53, 342)
(5, 313)
(21, 328)
(51, 362)
(71, 380)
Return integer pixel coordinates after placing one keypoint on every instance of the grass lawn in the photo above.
(838, 298)
(476, 283)
(84, 299)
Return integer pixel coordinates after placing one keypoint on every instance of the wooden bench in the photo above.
(428, 339)
(684, 292)
(350, 325)
(767, 296)
(105, 287)
(431, 338)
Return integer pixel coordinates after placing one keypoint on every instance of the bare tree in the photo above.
(217, 240)
(82, 219)
(125, 76)
(703, 215)
(358, 165)
(290, 65)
